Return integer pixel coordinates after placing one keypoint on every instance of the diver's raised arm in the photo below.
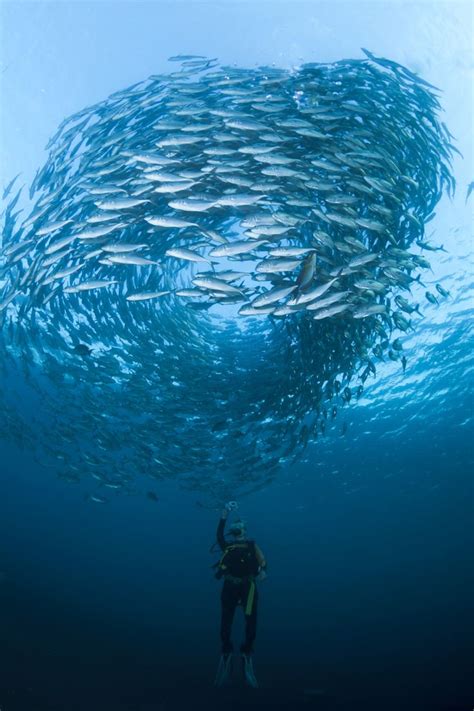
(221, 527)
(230, 506)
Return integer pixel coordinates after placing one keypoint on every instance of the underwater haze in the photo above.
(236, 264)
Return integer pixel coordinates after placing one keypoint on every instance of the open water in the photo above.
(368, 535)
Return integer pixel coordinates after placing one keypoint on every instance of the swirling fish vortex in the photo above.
(213, 263)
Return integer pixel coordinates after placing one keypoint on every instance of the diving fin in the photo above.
(248, 671)
(224, 670)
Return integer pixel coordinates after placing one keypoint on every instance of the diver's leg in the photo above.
(250, 626)
(229, 603)
(250, 632)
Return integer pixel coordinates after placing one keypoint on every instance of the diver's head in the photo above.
(238, 530)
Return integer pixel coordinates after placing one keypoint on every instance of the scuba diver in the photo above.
(242, 563)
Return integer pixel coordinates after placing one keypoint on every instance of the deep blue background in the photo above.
(369, 597)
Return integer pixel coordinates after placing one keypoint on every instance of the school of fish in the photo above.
(211, 264)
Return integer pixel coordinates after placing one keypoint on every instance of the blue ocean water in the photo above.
(369, 538)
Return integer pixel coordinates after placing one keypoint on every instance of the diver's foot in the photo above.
(249, 675)
(224, 670)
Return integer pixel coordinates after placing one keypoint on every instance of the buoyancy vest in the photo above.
(239, 561)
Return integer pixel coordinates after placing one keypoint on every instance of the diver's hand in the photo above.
(261, 576)
(230, 506)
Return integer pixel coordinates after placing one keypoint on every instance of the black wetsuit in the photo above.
(236, 592)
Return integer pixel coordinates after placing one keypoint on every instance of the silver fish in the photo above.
(146, 295)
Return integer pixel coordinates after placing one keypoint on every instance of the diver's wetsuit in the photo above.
(236, 592)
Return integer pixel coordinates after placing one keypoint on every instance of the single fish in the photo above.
(186, 254)
(232, 249)
(131, 259)
(169, 222)
(88, 286)
(270, 297)
(146, 295)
